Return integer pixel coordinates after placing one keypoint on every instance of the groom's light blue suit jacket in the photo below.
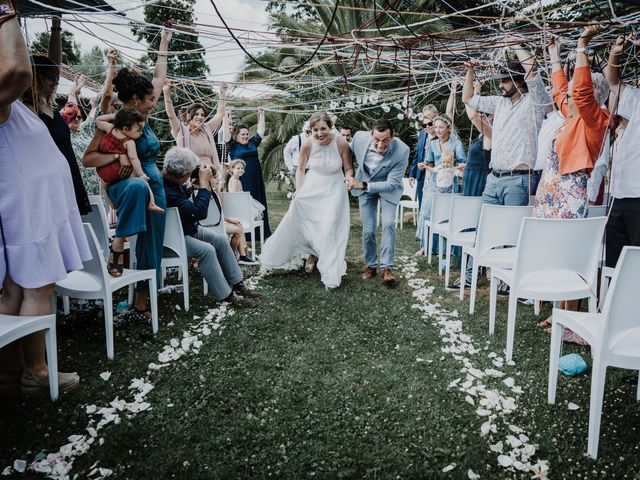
(386, 179)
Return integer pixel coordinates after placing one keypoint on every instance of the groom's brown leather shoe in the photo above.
(368, 273)
(388, 278)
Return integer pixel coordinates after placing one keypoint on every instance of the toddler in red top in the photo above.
(122, 129)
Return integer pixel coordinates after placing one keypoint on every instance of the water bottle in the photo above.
(122, 307)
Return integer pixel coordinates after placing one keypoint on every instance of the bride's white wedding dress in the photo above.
(317, 222)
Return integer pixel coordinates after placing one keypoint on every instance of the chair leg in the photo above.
(52, 359)
(511, 323)
(604, 287)
(474, 287)
(638, 392)
(448, 262)
(427, 242)
(65, 305)
(440, 243)
(130, 296)
(463, 274)
(153, 300)
(54, 302)
(253, 245)
(493, 294)
(557, 329)
(598, 377)
(400, 216)
(205, 287)
(185, 285)
(536, 307)
(108, 322)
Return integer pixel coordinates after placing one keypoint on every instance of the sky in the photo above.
(224, 58)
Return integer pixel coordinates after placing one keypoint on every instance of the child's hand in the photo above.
(145, 178)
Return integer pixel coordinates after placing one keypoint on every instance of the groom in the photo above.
(383, 161)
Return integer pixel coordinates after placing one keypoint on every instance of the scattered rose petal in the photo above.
(505, 461)
(572, 406)
(19, 466)
(449, 467)
(472, 475)
(105, 376)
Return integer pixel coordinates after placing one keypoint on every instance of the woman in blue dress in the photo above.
(131, 195)
(245, 147)
(446, 139)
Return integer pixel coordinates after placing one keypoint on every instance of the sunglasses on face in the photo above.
(427, 124)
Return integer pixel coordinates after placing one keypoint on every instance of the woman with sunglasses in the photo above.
(80, 137)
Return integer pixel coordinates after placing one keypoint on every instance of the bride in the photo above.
(317, 223)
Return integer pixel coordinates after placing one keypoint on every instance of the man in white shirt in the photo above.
(292, 150)
(518, 115)
(623, 226)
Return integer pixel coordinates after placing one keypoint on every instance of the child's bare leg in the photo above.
(104, 186)
(152, 203)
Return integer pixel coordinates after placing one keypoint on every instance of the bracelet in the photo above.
(614, 65)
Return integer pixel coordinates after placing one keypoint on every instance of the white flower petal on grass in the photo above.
(91, 409)
(178, 307)
(470, 400)
(572, 406)
(509, 382)
(472, 475)
(505, 461)
(7, 471)
(19, 466)
(105, 376)
(497, 447)
(449, 467)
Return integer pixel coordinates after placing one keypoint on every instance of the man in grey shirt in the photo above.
(518, 115)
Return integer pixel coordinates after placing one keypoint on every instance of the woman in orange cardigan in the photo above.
(562, 192)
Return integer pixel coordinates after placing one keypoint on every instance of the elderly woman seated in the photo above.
(212, 250)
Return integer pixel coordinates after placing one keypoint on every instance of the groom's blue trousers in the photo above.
(368, 214)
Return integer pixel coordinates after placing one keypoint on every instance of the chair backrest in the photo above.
(97, 218)
(238, 205)
(96, 265)
(596, 211)
(409, 190)
(465, 213)
(214, 215)
(441, 207)
(173, 234)
(499, 225)
(622, 304)
(551, 243)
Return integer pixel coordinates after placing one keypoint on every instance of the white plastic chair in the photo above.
(14, 328)
(499, 226)
(97, 218)
(214, 216)
(238, 205)
(411, 204)
(556, 259)
(174, 252)
(94, 282)
(597, 211)
(440, 209)
(464, 215)
(614, 337)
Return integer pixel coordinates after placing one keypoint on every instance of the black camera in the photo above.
(196, 171)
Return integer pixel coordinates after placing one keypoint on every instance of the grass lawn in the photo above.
(361, 382)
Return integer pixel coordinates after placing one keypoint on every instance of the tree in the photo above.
(93, 64)
(70, 48)
(188, 60)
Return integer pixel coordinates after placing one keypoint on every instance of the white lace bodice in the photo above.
(325, 159)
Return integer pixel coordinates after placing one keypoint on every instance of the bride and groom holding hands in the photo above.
(316, 226)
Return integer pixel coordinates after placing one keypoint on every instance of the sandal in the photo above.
(32, 385)
(115, 267)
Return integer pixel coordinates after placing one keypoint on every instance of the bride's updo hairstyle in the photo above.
(129, 84)
(320, 117)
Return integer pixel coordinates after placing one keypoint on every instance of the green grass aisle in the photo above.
(361, 382)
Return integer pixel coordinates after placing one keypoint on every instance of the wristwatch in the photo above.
(116, 157)
(365, 186)
(580, 50)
